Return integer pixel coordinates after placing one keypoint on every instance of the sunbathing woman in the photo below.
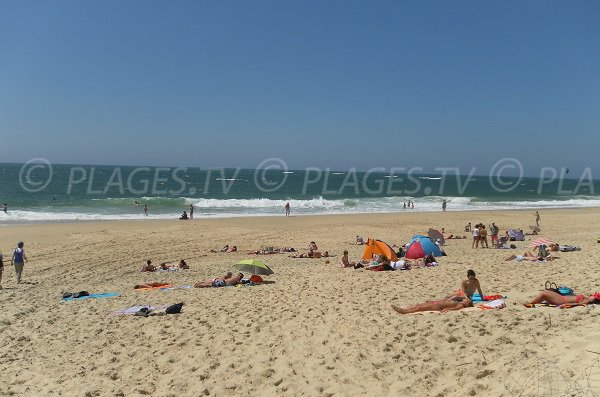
(215, 282)
(150, 285)
(439, 306)
(309, 254)
(561, 301)
(527, 256)
(382, 265)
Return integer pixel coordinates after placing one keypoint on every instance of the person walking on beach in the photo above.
(145, 210)
(18, 260)
(537, 218)
(287, 209)
(444, 204)
(191, 211)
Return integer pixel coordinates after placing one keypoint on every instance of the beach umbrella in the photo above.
(253, 266)
(436, 235)
(422, 246)
(541, 241)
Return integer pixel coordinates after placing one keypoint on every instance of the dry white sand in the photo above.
(315, 330)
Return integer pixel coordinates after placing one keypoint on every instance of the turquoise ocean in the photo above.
(43, 192)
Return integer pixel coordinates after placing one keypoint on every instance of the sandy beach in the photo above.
(314, 329)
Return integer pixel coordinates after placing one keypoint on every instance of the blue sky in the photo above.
(316, 83)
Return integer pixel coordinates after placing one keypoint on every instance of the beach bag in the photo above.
(565, 291)
(562, 290)
(174, 309)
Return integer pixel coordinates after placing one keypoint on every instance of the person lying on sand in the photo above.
(148, 267)
(528, 256)
(309, 254)
(439, 306)
(382, 265)
(312, 254)
(228, 279)
(453, 237)
(345, 262)
(150, 285)
(224, 249)
(554, 298)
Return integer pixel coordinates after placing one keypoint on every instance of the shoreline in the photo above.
(268, 216)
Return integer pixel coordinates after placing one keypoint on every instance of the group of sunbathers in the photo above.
(272, 250)
(149, 267)
(463, 298)
(459, 300)
(313, 252)
(543, 254)
(382, 263)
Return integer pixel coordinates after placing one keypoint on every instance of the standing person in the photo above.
(483, 236)
(145, 210)
(475, 237)
(18, 260)
(537, 218)
(405, 205)
(494, 230)
(444, 204)
(287, 209)
(412, 205)
(5, 208)
(191, 211)
(1, 269)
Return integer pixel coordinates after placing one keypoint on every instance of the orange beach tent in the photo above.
(380, 248)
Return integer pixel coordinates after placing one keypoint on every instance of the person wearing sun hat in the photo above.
(18, 260)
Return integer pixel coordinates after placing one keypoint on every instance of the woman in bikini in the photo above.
(559, 300)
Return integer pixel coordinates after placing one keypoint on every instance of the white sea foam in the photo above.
(216, 208)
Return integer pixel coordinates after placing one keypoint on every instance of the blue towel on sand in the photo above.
(478, 298)
(97, 296)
